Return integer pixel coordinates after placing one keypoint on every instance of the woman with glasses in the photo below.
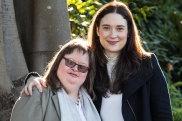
(69, 77)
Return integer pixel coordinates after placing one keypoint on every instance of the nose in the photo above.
(75, 68)
(113, 33)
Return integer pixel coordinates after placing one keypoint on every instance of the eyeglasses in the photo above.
(71, 64)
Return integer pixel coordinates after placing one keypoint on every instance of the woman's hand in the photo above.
(31, 82)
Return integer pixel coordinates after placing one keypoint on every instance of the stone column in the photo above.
(15, 62)
(5, 82)
(51, 28)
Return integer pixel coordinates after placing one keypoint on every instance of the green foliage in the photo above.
(80, 15)
(160, 27)
(176, 101)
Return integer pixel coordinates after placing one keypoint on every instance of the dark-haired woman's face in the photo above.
(113, 33)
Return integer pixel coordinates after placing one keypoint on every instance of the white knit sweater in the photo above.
(111, 107)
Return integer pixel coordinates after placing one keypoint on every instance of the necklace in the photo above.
(78, 100)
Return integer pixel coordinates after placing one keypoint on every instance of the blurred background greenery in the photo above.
(160, 27)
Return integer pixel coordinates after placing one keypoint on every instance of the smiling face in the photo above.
(113, 33)
(72, 78)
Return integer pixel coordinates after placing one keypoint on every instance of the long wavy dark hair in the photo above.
(130, 57)
(50, 73)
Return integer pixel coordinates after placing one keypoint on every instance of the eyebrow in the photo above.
(105, 25)
(117, 25)
(82, 63)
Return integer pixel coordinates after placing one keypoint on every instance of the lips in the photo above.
(73, 75)
(112, 42)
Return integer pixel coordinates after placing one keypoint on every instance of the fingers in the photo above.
(37, 83)
(33, 81)
(29, 85)
(21, 93)
(42, 82)
(26, 89)
(29, 88)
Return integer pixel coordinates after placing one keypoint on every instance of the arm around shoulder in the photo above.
(28, 108)
(35, 74)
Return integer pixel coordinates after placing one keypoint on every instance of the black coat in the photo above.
(145, 97)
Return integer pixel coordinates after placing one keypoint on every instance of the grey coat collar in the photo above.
(56, 104)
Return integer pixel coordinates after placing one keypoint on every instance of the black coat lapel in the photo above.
(137, 81)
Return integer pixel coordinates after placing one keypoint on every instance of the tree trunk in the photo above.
(16, 66)
(51, 28)
(24, 20)
(5, 82)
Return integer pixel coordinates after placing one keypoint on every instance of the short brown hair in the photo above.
(50, 74)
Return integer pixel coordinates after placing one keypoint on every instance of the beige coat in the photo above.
(38, 107)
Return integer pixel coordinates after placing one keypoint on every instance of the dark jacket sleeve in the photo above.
(160, 100)
(35, 74)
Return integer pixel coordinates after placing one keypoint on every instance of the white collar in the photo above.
(111, 60)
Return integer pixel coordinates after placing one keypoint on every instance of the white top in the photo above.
(111, 107)
(79, 108)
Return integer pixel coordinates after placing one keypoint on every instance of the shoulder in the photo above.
(35, 91)
(154, 61)
(150, 59)
(150, 65)
(153, 57)
(36, 95)
(28, 108)
(154, 67)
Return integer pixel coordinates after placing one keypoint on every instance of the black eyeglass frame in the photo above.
(80, 68)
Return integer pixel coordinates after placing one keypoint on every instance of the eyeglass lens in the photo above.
(71, 64)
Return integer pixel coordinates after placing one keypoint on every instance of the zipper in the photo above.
(131, 109)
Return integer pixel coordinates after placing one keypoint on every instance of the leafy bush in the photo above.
(176, 100)
(80, 15)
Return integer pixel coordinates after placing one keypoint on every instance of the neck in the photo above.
(74, 95)
(111, 55)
